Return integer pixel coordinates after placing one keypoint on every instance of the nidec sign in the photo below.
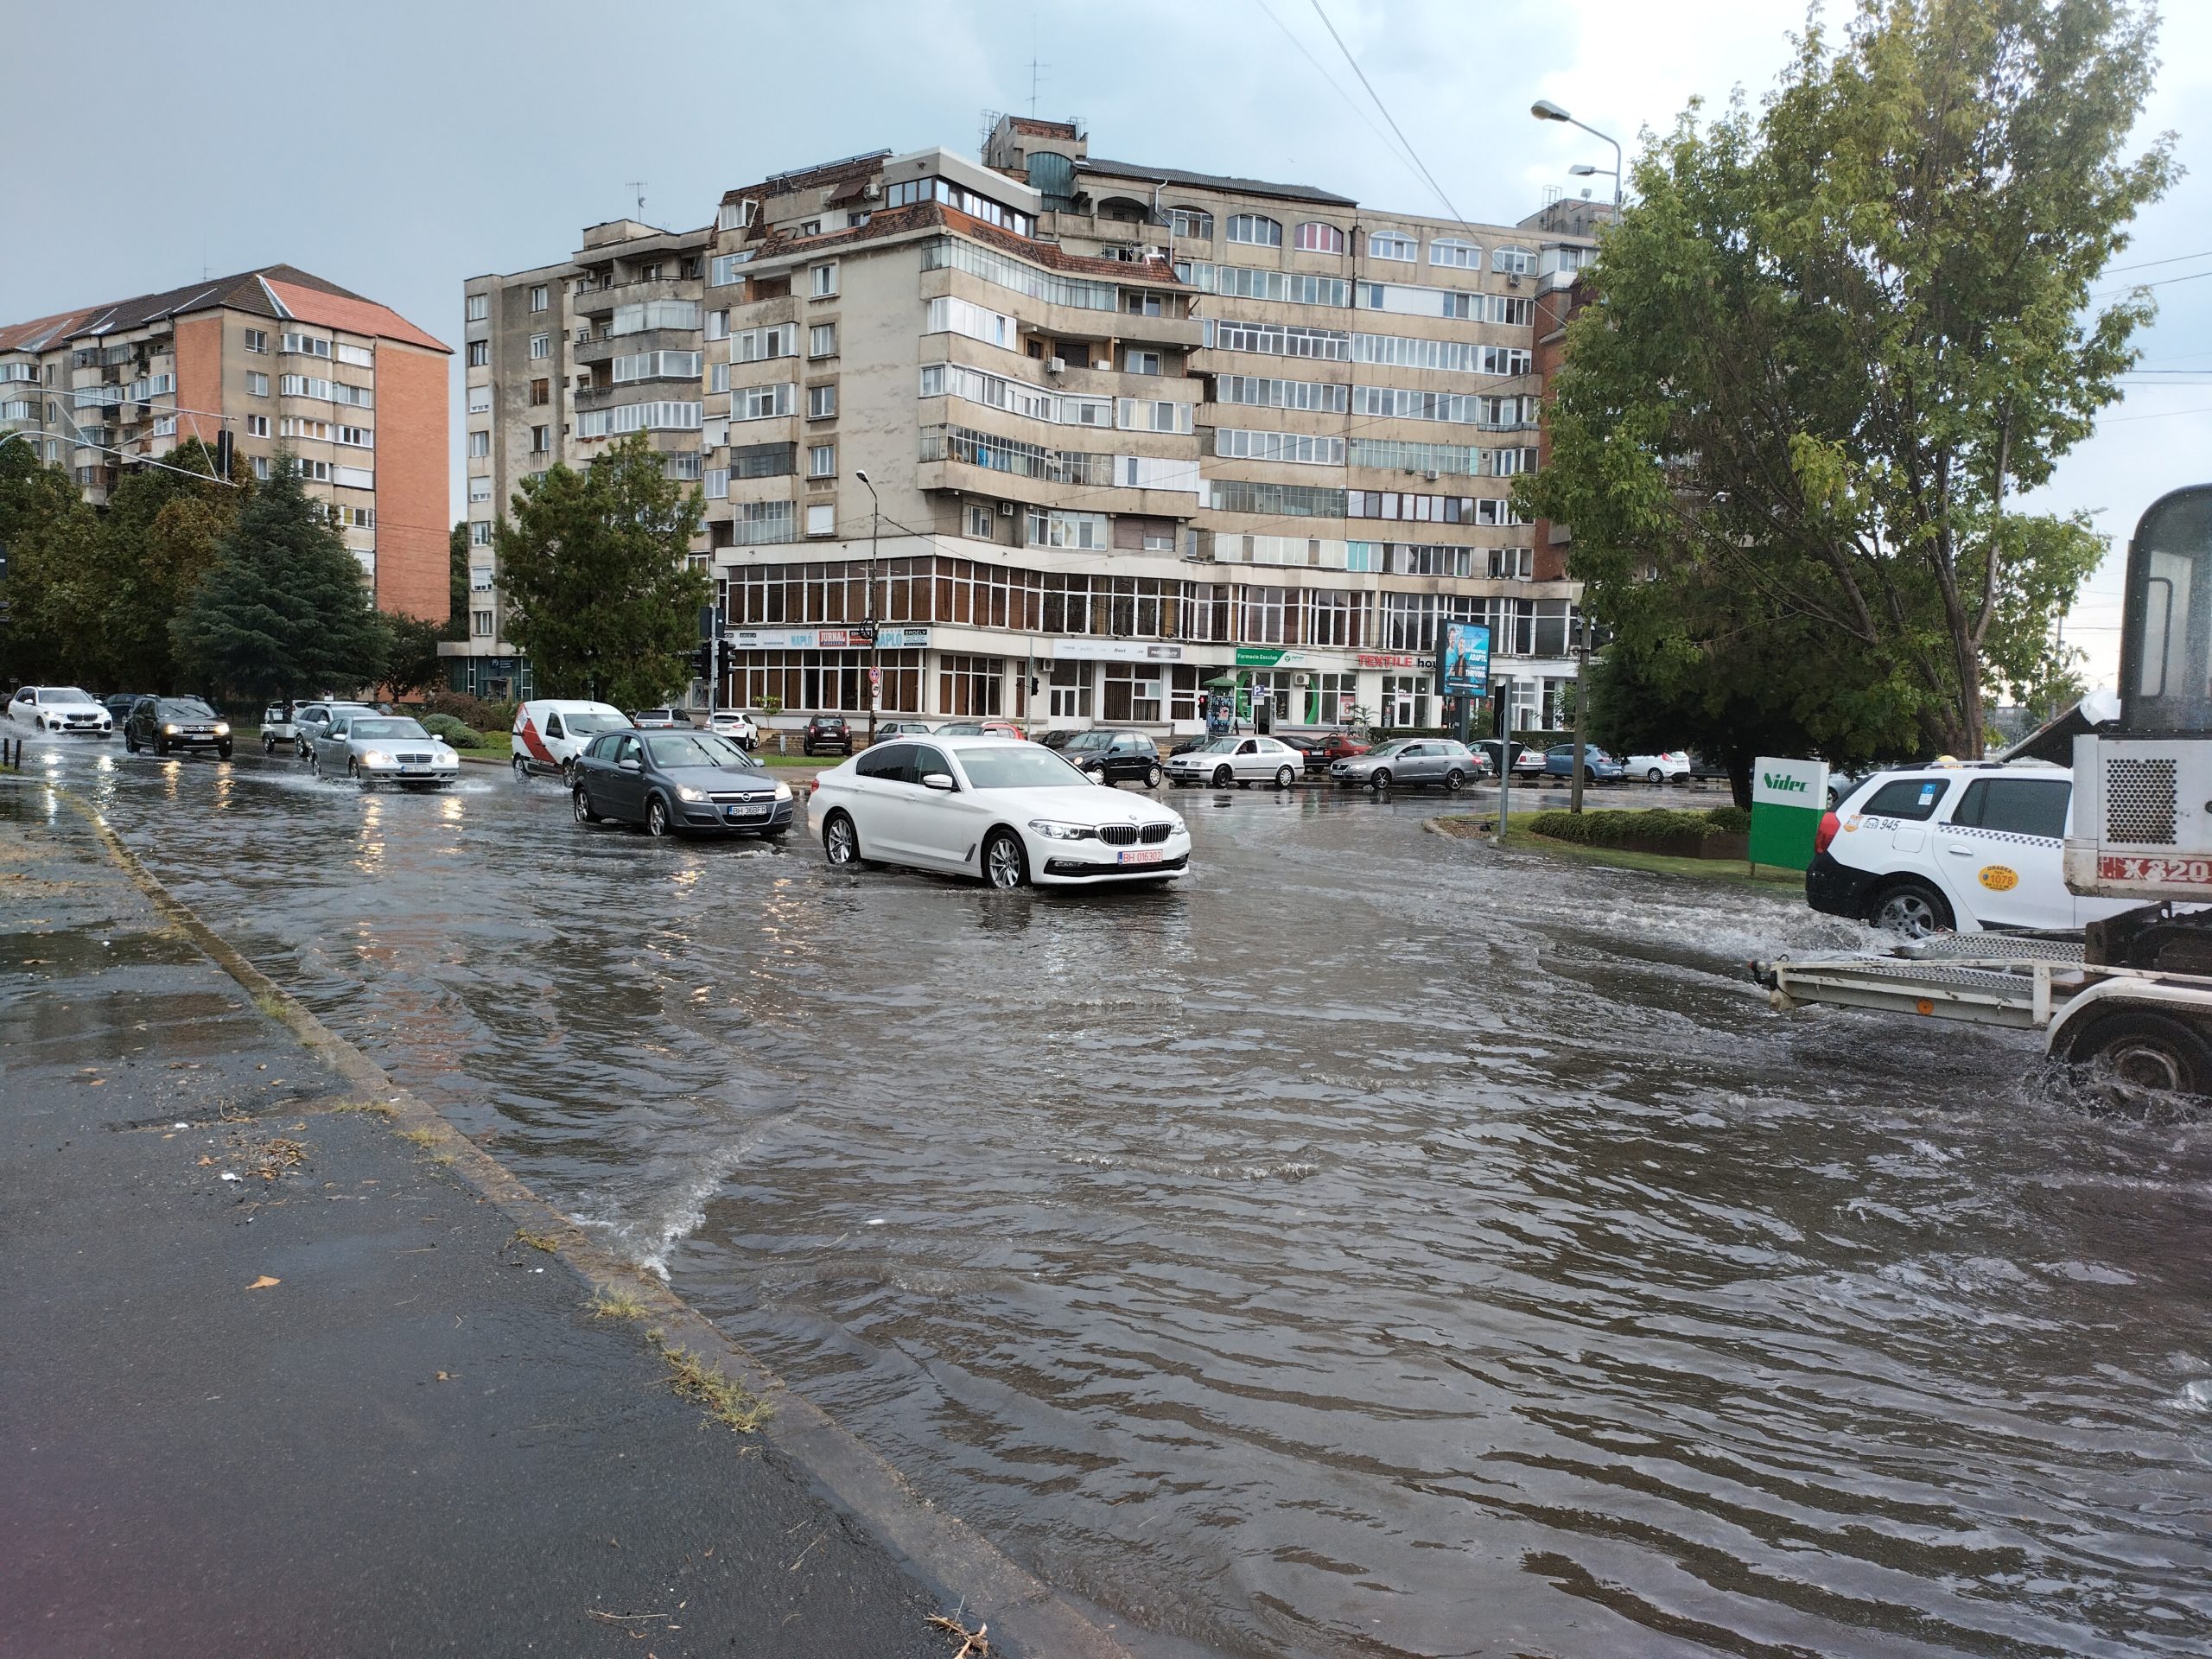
(1787, 799)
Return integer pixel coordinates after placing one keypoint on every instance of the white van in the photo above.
(550, 732)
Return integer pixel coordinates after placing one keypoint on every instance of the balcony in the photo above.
(600, 301)
(601, 349)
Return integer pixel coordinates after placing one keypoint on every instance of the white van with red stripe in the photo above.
(550, 732)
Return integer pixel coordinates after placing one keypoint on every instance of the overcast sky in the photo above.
(397, 148)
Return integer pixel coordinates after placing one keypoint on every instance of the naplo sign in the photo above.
(1788, 798)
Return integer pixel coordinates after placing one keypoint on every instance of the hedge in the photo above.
(1660, 827)
(459, 733)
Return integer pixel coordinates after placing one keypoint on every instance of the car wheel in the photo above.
(568, 772)
(130, 744)
(1455, 780)
(1004, 865)
(1223, 777)
(223, 751)
(1909, 907)
(522, 769)
(267, 745)
(1152, 776)
(657, 819)
(2144, 1051)
(1379, 778)
(352, 772)
(1655, 776)
(1285, 777)
(841, 841)
(1590, 776)
(582, 799)
(161, 746)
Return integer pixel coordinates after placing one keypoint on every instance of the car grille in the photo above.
(723, 799)
(1119, 835)
(1153, 834)
(414, 759)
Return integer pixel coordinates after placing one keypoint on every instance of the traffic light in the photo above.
(701, 667)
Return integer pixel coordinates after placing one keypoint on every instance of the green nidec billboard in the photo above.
(1787, 799)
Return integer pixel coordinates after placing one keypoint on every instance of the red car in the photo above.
(1342, 746)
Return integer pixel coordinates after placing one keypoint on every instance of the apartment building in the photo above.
(282, 361)
(1105, 432)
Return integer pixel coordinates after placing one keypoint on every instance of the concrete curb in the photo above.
(959, 1562)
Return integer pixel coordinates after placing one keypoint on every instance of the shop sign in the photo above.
(824, 638)
(1276, 656)
(1385, 659)
(1116, 650)
(1788, 798)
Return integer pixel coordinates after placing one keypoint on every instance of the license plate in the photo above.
(1142, 855)
(745, 811)
(2171, 872)
(414, 771)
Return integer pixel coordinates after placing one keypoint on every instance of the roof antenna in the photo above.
(637, 185)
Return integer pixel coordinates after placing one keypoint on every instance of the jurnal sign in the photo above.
(1788, 798)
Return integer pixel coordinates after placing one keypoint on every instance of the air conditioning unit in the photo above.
(873, 190)
(1430, 475)
(1055, 365)
(1006, 509)
(1513, 279)
(1302, 679)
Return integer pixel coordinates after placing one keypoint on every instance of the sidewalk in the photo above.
(276, 1380)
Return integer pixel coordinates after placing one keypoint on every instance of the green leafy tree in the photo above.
(159, 538)
(284, 611)
(1830, 345)
(457, 576)
(411, 660)
(55, 629)
(599, 592)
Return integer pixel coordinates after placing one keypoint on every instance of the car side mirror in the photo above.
(632, 766)
(938, 781)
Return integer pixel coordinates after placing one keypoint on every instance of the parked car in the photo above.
(1221, 761)
(825, 733)
(1598, 766)
(902, 728)
(1311, 748)
(1011, 813)
(1185, 744)
(679, 783)
(549, 733)
(1841, 783)
(980, 728)
(1528, 762)
(1671, 767)
(1115, 756)
(373, 748)
(59, 709)
(1967, 846)
(119, 705)
(165, 723)
(1060, 736)
(310, 720)
(659, 720)
(1416, 760)
(1703, 770)
(735, 725)
(1342, 745)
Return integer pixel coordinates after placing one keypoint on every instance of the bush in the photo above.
(472, 712)
(458, 732)
(1649, 830)
(1731, 820)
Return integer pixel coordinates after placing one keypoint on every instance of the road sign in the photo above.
(875, 679)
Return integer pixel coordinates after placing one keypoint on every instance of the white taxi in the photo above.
(1967, 846)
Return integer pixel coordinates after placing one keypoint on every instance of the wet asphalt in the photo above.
(1378, 1243)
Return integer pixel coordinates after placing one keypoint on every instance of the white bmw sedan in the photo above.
(1010, 811)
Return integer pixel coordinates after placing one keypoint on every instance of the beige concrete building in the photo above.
(1125, 429)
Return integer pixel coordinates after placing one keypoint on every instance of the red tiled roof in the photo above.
(354, 315)
(41, 329)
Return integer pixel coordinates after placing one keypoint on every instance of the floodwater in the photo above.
(1377, 1245)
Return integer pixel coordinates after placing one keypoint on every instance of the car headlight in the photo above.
(222, 728)
(685, 792)
(783, 792)
(1051, 829)
(168, 731)
(375, 757)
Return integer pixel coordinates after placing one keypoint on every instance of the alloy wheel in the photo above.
(1002, 863)
(839, 845)
(657, 816)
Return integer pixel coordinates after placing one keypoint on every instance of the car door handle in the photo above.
(1960, 852)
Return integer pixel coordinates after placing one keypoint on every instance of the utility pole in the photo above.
(1502, 703)
(875, 530)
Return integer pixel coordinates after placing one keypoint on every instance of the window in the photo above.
(261, 467)
(656, 365)
(480, 443)
(164, 426)
(359, 356)
(721, 270)
(983, 523)
(256, 340)
(256, 426)
(1235, 443)
(1061, 529)
(479, 353)
(256, 385)
(1518, 313)
(822, 403)
(1451, 251)
(480, 487)
(479, 307)
(541, 391)
(822, 460)
(655, 416)
(1513, 262)
(1194, 222)
(540, 346)
(1392, 244)
(1915, 798)
(2019, 806)
(481, 622)
(1136, 362)
(822, 280)
(822, 519)
(540, 297)
(654, 313)
(480, 532)
(305, 345)
(761, 524)
(481, 580)
(1145, 415)
(358, 438)
(541, 439)
(952, 314)
(822, 339)
(718, 324)
(479, 400)
(1313, 236)
(761, 402)
(316, 471)
(1255, 228)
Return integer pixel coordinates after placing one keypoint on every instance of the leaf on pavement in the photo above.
(264, 1283)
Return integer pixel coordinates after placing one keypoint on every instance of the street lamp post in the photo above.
(1544, 109)
(875, 529)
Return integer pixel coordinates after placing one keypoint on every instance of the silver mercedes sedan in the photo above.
(373, 749)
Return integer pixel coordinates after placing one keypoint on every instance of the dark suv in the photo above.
(825, 733)
(165, 723)
(1115, 756)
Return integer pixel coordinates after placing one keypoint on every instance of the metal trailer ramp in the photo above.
(2012, 981)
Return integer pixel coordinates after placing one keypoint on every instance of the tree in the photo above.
(1830, 344)
(594, 568)
(284, 610)
(411, 660)
(457, 578)
(159, 538)
(53, 589)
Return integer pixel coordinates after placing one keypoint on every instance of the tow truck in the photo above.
(2131, 996)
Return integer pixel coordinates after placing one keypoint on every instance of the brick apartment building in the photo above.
(1129, 427)
(284, 361)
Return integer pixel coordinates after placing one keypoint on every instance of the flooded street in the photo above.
(1376, 1244)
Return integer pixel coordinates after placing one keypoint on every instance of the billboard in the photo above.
(1788, 798)
(1463, 660)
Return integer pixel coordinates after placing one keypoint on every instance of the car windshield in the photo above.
(387, 728)
(1396, 745)
(695, 749)
(1221, 746)
(1027, 767)
(1090, 741)
(67, 694)
(185, 709)
(580, 724)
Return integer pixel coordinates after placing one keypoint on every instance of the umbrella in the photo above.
(1222, 683)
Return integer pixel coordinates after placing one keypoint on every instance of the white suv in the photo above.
(1972, 846)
